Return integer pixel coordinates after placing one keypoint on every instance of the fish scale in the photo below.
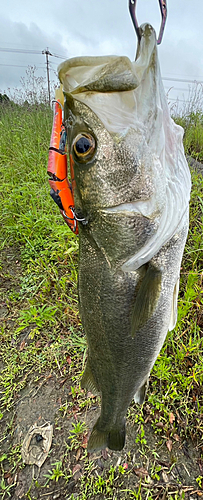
(114, 355)
(132, 188)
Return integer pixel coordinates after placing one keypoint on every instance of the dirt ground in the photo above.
(41, 404)
(179, 462)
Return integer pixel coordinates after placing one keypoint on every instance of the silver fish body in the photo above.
(127, 295)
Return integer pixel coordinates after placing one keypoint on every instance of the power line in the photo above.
(181, 80)
(177, 88)
(59, 57)
(28, 51)
(48, 53)
(52, 62)
(185, 76)
(18, 66)
(178, 100)
(21, 51)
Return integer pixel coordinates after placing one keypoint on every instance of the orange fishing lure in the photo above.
(61, 190)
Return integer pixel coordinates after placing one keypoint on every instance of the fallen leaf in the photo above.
(188, 363)
(84, 442)
(7, 474)
(141, 472)
(200, 463)
(9, 480)
(165, 464)
(147, 419)
(78, 454)
(104, 454)
(68, 359)
(63, 381)
(77, 472)
(160, 425)
(165, 477)
(22, 345)
(176, 437)
(169, 444)
(171, 418)
(76, 468)
(90, 395)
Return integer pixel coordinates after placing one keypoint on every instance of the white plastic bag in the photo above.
(130, 95)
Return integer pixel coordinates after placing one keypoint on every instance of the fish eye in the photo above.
(84, 147)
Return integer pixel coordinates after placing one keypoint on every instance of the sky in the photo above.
(71, 28)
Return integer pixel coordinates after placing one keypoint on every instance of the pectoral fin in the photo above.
(139, 396)
(173, 317)
(147, 299)
(88, 380)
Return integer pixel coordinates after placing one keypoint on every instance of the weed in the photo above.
(38, 315)
(141, 436)
(76, 435)
(42, 332)
(199, 480)
(55, 473)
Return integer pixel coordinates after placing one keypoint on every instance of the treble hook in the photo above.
(163, 8)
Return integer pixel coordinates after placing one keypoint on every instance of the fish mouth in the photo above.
(143, 207)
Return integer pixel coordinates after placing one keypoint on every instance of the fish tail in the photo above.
(98, 440)
(116, 439)
(113, 439)
(147, 299)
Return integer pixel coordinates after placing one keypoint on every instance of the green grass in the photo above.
(44, 328)
(193, 137)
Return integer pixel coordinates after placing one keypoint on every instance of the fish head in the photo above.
(110, 117)
(130, 178)
(106, 168)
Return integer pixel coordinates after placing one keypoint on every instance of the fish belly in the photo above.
(119, 360)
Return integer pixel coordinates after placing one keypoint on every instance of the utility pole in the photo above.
(47, 54)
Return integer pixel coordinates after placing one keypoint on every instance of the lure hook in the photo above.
(163, 8)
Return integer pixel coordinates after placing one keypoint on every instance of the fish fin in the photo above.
(173, 317)
(116, 438)
(113, 439)
(88, 381)
(139, 396)
(147, 298)
(98, 440)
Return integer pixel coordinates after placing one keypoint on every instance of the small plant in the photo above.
(38, 315)
(76, 434)
(199, 480)
(141, 436)
(55, 473)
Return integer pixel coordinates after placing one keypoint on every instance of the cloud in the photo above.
(75, 28)
(13, 65)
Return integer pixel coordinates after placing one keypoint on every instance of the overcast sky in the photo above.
(91, 27)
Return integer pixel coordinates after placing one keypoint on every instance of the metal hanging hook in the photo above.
(163, 8)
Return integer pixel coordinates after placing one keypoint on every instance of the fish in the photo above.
(131, 193)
